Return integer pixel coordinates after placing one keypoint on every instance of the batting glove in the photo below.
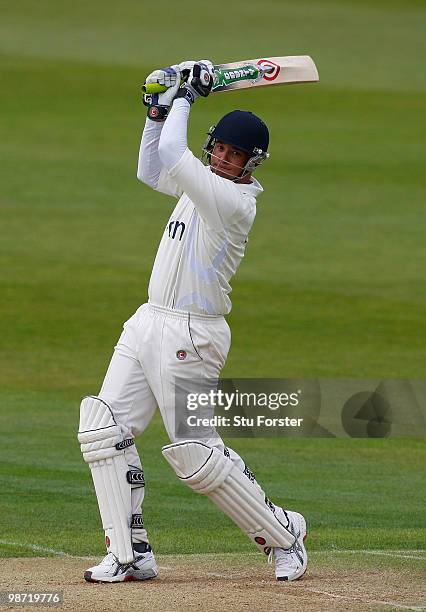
(159, 104)
(199, 83)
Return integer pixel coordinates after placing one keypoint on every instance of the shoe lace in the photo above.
(283, 550)
(286, 552)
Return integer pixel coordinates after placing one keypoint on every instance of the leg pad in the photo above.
(103, 447)
(209, 472)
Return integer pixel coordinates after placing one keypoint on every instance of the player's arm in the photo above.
(150, 169)
(149, 164)
(217, 200)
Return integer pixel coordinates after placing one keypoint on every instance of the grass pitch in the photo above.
(332, 285)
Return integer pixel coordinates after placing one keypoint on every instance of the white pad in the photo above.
(209, 472)
(103, 447)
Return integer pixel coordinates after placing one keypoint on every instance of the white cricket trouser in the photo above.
(142, 371)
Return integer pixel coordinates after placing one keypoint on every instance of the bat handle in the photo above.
(152, 88)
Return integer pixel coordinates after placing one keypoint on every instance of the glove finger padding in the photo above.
(187, 66)
(165, 76)
(199, 83)
(159, 104)
(201, 78)
(166, 98)
(185, 69)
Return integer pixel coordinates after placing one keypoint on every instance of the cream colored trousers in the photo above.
(157, 346)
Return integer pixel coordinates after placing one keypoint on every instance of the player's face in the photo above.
(227, 161)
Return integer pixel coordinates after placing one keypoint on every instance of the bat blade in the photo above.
(258, 72)
(261, 72)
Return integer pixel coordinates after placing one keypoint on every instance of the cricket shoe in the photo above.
(290, 564)
(110, 569)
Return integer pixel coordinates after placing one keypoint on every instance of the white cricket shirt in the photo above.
(204, 239)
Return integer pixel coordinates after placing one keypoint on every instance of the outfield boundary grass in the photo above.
(400, 553)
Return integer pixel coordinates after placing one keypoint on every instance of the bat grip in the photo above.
(152, 88)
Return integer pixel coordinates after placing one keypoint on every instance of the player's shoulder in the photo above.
(252, 189)
(244, 212)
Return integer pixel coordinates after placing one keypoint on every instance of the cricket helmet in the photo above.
(243, 130)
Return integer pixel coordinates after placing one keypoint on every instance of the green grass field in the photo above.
(332, 284)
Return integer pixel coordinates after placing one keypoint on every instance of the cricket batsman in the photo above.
(182, 333)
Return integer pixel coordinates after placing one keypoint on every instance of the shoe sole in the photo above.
(116, 579)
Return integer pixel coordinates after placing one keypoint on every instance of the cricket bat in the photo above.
(256, 73)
